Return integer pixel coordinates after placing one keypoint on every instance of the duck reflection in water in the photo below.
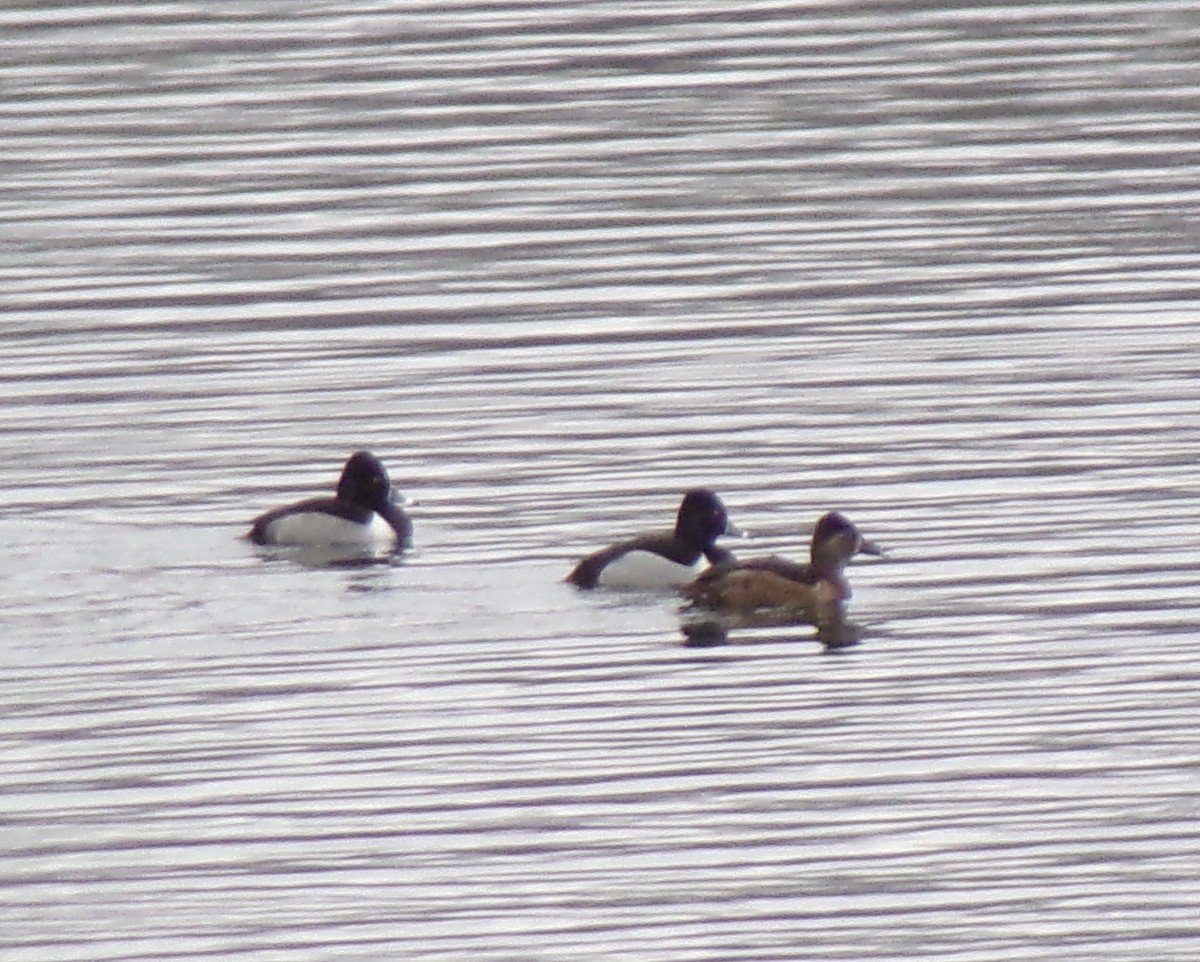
(775, 592)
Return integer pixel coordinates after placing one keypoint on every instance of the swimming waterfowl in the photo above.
(658, 560)
(362, 513)
(774, 586)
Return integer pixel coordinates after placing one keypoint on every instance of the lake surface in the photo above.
(934, 266)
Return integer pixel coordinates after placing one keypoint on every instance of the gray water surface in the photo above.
(933, 266)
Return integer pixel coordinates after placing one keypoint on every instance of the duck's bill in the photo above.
(733, 531)
(392, 513)
(870, 547)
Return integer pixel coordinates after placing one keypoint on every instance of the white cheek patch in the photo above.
(645, 569)
(315, 528)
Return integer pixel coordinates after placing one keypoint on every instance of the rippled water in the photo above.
(934, 266)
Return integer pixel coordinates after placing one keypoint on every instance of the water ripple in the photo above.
(932, 267)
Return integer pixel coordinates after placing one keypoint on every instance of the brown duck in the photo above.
(774, 586)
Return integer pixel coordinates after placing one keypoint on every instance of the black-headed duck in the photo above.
(660, 560)
(363, 512)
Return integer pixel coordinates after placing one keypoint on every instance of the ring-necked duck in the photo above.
(813, 591)
(667, 559)
(362, 513)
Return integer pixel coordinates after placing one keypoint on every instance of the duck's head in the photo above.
(835, 541)
(702, 519)
(365, 482)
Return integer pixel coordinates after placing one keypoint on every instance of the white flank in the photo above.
(315, 528)
(646, 570)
